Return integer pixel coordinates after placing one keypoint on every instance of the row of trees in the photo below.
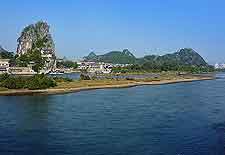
(39, 81)
(151, 67)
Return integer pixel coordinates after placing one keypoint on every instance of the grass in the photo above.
(67, 84)
(89, 83)
(3, 89)
(110, 82)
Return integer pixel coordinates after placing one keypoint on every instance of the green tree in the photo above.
(23, 60)
(67, 64)
(36, 58)
(6, 55)
(33, 56)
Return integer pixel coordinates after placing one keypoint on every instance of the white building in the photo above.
(95, 67)
(21, 71)
(219, 66)
(4, 65)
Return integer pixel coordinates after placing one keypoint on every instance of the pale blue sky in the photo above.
(142, 26)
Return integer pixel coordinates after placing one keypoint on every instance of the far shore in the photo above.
(78, 86)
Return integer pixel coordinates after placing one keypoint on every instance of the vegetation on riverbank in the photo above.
(65, 86)
(23, 82)
(167, 76)
(153, 68)
(42, 83)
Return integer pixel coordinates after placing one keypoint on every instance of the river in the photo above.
(174, 119)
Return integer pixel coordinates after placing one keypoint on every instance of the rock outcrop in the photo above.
(32, 34)
(37, 36)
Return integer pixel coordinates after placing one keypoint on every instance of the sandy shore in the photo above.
(53, 91)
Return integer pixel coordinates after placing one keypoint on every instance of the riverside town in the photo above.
(35, 66)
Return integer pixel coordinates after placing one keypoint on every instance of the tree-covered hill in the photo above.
(186, 56)
(116, 57)
(183, 58)
(4, 54)
(2, 49)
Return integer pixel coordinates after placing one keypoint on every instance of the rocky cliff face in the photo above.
(34, 33)
(37, 37)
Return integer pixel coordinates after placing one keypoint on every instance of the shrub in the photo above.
(84, 77)
(4, 77)
(14, 82)
(41, 82)
(34, 82)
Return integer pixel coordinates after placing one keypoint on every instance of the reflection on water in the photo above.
(220, 76)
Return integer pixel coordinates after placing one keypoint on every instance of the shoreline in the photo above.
(58, 91)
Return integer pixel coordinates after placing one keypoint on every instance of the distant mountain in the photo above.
(121, 57)
(2, 49)
(4, 54)
(183, 57)
(91, 56)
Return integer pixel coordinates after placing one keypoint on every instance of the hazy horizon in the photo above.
(144, 27)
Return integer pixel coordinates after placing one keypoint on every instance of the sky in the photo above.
(142, 26)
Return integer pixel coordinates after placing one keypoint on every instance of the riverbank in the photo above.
(77, 86)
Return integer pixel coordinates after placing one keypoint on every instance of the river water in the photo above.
(174, 119)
